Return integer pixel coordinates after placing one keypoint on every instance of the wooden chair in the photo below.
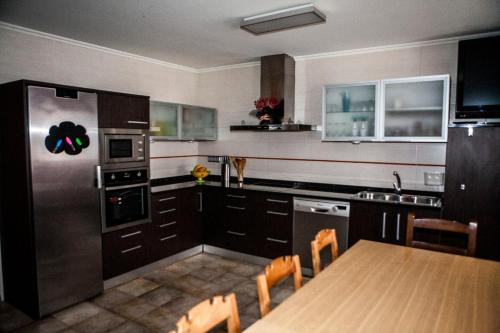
(442, 225)
(276, 271)
(323, 238)
(209, 313)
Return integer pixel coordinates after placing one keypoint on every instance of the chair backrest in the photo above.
(323, 238)
(209, 313)
(442, 225)
(276, 271)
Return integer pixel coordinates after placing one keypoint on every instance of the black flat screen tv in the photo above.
(478, 83)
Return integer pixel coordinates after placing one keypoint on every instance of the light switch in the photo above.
(434, 178)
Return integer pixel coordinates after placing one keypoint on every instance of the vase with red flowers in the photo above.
(269, 110)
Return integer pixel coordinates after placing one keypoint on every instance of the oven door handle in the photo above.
(124, 186)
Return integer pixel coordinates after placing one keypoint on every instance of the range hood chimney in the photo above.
(277, 79)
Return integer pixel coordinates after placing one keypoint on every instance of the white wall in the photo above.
(233, 91)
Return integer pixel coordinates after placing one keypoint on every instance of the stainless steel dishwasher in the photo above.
(311, 216)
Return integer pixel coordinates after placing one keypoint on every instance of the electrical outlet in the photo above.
(434, 178)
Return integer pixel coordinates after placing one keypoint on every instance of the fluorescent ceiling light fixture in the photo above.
(283, 19)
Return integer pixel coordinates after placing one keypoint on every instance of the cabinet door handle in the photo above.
(137, 122)
(276, 213)
(277, 201)
(383, 224)
(234, 207)
(398, 222)
(200, 201)
(277, 240)
(166, 199)
(131, 249)
(167, 224)
(167, 211)
(131, 234)
(168, 237)
(236, 196)
(235, 233)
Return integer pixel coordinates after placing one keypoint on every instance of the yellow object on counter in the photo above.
(200, 172)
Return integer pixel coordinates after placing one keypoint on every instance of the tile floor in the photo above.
(155, 301)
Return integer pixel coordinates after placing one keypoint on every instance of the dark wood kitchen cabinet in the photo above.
(126, 249)
(122, 110)
(238, 220)
(274, 225)
(383, 222)
(472, 184)
(177, 221)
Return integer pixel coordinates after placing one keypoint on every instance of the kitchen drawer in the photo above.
(165, 243)
(125, 250)
(278, 203)
(273, 247)
(161, 217)
(165, 201)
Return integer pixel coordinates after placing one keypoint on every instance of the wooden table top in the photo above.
(376, 287)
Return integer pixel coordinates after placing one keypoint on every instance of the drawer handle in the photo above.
(167, 211)
(168, 237)
(276, 213)
(131, 234)
(167, 224)
(131, 249)
(398, 226)
(277, 240)
(234, 207)
(235, 233)
(137, 122)
(384, 216)
(166, 199)
(236, 196)
(277, 201)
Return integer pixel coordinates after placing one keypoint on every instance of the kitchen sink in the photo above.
(404, 198)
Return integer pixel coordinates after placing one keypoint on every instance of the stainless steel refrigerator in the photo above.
(51, 228)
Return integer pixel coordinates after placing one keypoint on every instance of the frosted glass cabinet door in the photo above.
(416, 109)
(198, 123)
(349, 112)
(164, 120)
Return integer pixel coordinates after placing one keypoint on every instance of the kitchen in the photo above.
(230, 87)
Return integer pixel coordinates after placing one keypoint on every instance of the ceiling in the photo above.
(202, 33)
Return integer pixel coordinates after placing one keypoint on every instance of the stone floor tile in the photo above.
(102, 322)
(163, 276)
(243, 300)
(278, 295)
(180, 268)
(248, 270)
(187, 284)
(230, 280)
(47, 325)
(181, 305)
(134, 309)
(11, 319)
(159, 319)
(220, 262)
(111, 298)
(248, 287)
(161, 296)
(78, 313)
(208, 274)
(130, 327)
(138, 287)
(252, 310)
(247, 320)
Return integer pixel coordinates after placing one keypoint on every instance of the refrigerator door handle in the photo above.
(99, 178)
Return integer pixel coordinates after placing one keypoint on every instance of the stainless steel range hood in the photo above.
(277, 79)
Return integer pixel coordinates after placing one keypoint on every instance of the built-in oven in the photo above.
(123, 147)
(125, 198)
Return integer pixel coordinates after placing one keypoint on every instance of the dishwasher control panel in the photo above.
(336, 208)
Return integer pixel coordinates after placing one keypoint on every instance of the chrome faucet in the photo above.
(397, 183)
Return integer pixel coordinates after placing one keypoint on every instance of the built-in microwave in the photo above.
(122, 147)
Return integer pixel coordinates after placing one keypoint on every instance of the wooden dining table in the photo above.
(377, 287)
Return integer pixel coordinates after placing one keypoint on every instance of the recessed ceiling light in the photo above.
(283, 19)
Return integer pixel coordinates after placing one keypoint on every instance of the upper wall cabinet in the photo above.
(410, 109)
(122, 111)
(350, 111)
(182, 122)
